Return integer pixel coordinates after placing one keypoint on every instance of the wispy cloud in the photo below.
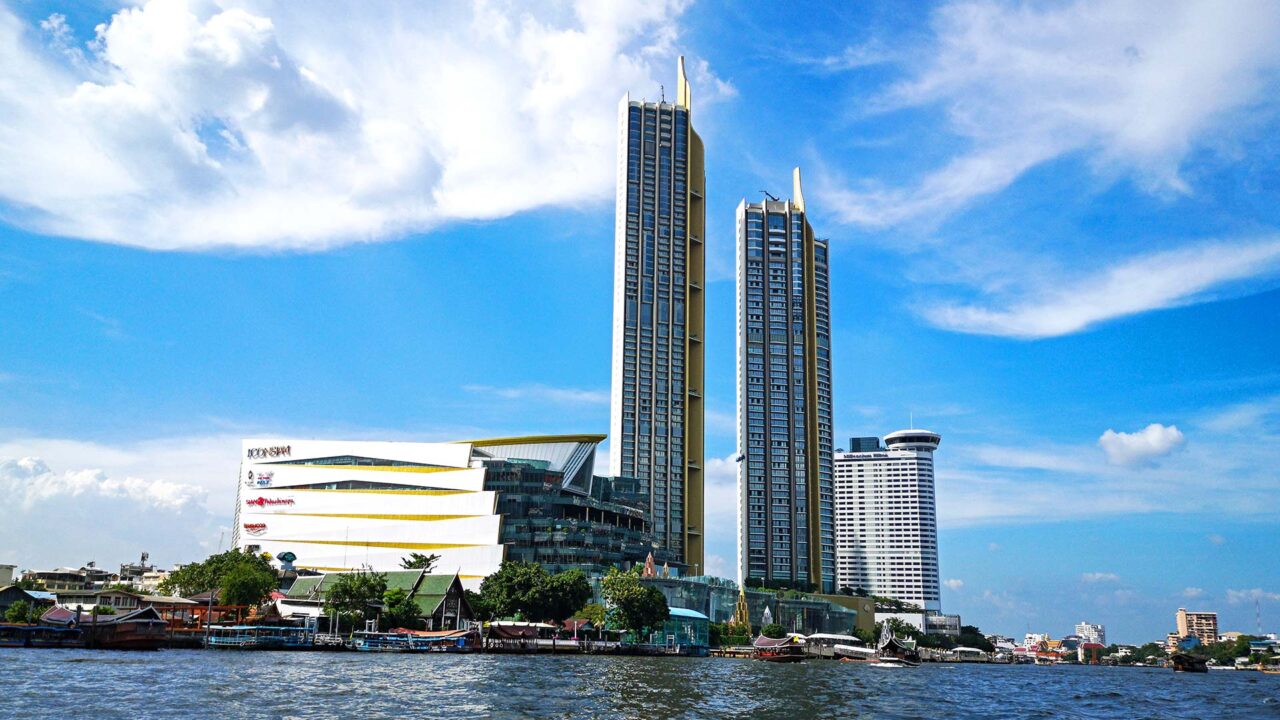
(109, 326)
(545, 393)
(953, 583)
(1192, 593)
(1131, 91)
(1223, 471)
(1141, 284)
(1238, 597)
(1099, 577)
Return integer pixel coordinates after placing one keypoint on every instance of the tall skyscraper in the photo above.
(786, 528)
(656, 425)
(886, 523)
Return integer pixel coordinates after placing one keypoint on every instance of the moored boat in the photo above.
(40, 636)
(892, 653)
(854, 653)
(1181, 662)
(142, 629)
(779, 650)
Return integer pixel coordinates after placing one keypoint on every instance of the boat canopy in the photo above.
(828, 638)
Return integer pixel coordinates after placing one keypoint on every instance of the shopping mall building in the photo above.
(338, 505)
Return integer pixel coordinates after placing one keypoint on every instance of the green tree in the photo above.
(563, 593)
(29, 584)
(21, 611)
(866, 636)
(400, 611)
(247, 583)
(103, 610)
(900, 628)
(353, 592)
(418, 561)
(207, 575)
(594, 612)
(479, 605)
(514, 589)
(633, 605)
(971, 636)
(773, 630)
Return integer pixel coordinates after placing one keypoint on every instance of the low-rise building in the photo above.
(10, 594)
(1201, 625)
(6, 574)
(936, 623)
(66, 578)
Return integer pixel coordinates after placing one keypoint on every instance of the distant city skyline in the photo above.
(1054, 240)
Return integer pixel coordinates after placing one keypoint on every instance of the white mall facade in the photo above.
(339, 505)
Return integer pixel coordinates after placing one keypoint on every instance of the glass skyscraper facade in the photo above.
(786, 531)
(656, 418)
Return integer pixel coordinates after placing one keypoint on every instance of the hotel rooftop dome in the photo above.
(913, 439)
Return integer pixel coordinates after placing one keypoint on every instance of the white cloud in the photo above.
(1216, 539)
(718, 566)
(567, 396)
(1192, 592)
(1030, 480)
(278, 125)
(1153, 441)
(1149, 282)
(953, 583)
(72, 516)
(1238, 597)
(1097, 577)
(721, 423)
(1133, 92)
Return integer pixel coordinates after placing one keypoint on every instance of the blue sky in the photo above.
(1054, 233)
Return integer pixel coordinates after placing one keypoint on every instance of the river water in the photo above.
(224, 684)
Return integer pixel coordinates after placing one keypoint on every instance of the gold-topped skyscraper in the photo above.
(656, 416)
(786, 525)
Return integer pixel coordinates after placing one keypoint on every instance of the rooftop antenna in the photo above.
(911, 420)
(662, 92)
(769, 195)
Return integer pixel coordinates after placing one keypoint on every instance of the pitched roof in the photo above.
(314, 587)
(432, 591)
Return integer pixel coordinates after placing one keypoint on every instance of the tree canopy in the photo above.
(22, 611)
(633, 605)
(400, 611)
(352, 593)
(246, 584)
(210, 574)
(527, 589)
(418, 561)
(773, 630)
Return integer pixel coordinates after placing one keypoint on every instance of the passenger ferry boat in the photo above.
(260, 637)
(366, 641)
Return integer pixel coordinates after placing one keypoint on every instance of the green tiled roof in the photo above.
(313, 587)
(432, 592)
(428, 591)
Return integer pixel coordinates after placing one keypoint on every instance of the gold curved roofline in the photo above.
(534, 440)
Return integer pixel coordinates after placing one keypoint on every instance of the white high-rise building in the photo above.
(1089, 632)
(886, 523)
